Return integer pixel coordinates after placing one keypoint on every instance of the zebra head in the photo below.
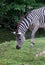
(20, 39)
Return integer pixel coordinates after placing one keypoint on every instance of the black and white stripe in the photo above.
(32, 18)
(23, 26)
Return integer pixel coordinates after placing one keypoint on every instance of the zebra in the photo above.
(32, 21)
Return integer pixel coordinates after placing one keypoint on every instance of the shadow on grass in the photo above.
(5, 35)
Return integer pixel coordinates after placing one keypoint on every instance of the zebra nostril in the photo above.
(17, 47)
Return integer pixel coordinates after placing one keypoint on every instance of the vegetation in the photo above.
(10, 13)
(9, 55)
(12, 10)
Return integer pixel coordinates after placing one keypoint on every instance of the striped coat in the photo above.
(31, 20)
(34, 20)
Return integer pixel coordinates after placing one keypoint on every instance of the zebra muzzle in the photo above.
(17, 47)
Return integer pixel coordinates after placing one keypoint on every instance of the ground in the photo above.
(9, 55)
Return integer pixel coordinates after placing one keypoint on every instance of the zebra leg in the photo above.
(33, 35)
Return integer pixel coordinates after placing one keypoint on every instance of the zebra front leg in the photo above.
(33, 35)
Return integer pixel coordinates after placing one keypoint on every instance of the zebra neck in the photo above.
(24, 24)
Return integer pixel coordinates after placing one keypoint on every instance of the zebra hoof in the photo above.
(17, 47)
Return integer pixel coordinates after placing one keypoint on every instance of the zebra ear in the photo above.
(19, 33)
(13, 32)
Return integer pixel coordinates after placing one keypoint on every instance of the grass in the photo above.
(9, 55)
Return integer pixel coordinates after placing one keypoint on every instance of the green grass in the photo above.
(9, 55)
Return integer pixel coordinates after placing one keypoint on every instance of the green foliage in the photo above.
(9, 5)
(42, 1)
(12, 10)
(6, 5)
(9, 55)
